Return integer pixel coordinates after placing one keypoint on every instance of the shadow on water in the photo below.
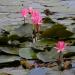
(15, 63)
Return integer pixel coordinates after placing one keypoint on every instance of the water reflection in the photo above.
(61, 7)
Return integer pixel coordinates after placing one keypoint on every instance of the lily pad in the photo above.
(15, 72)
(27, 53)
(69, 54)
(4, 74)
(53, 55)
(19, 72)
(23, 30)
(4, 58)
(40, 45)
(10, 50)
(11, 27)
(48, 56)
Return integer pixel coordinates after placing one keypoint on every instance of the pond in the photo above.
(11, 18)
(10, 10)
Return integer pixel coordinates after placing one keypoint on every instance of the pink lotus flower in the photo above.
(37, 22)
(36, 19)
(24, 12)
(35, 13)
(60, 46)
(31, 10)
(35, 16)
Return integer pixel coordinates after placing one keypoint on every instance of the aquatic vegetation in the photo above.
(3, 73)
(69, 54)
(23, 36)
(36, 20)
(13, 37)
(35, 17)
(57, 31)
(27, 53)
(9, 50)
(48, 12)
(3, 40)
(8, 60)
(48, 20)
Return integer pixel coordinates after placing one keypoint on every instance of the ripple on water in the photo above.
(61, 7)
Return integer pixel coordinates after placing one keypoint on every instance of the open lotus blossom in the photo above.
(60, 46)
(37, 22)
(35, 16)
(35, 13)
(24, 12)
(36, 19)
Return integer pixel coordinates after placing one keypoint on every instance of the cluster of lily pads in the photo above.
(18, 43)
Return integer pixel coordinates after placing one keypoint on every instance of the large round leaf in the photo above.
(41, 44)
(23, 30)
(15, 71)
(3, 73)
(4, 58)
(48, 56)
(10, 50)
(27, 53)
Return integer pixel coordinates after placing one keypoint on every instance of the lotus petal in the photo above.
(24, 12)
(60, 46)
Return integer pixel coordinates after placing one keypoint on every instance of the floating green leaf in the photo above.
(27, 53)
